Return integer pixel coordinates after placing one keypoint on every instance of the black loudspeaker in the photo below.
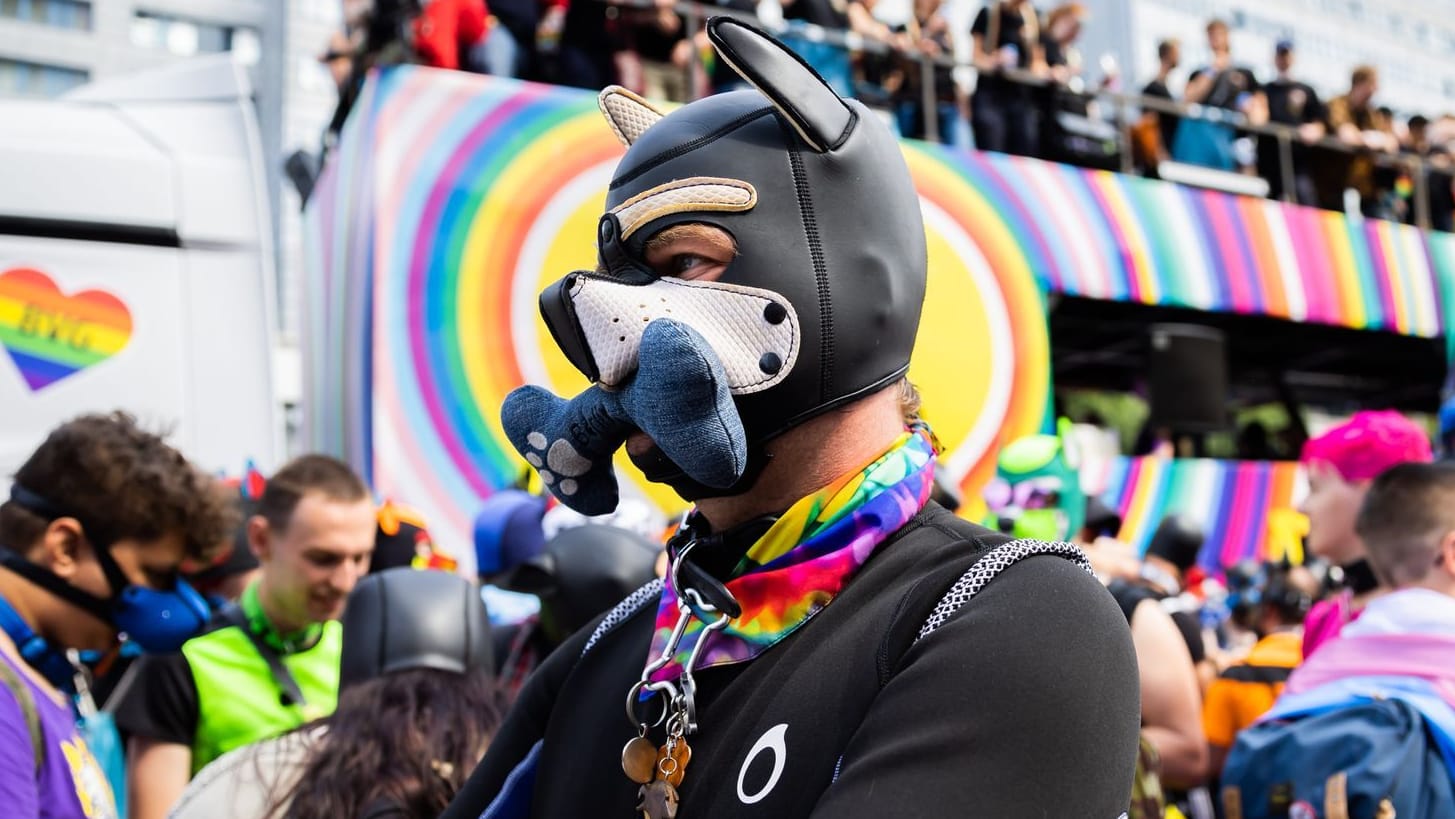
(1187, 372)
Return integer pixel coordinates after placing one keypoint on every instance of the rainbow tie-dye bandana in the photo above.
(806, 558)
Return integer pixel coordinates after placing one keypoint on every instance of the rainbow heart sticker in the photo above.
(50, 335)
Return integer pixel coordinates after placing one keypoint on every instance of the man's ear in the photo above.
(259, 537)
(1447, 554)
(63, 546)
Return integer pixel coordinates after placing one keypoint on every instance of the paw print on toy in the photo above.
(561, 461)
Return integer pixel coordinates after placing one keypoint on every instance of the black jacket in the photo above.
(1024, 703)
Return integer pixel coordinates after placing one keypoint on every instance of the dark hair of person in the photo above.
(409, 738)
(1407, 512)
(124, 483)
(327, 476)
(1289, 602)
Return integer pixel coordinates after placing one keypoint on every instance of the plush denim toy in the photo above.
(679, 397)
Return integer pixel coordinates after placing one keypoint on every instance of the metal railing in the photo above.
(1124, 108)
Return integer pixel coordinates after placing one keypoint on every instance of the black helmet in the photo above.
(582, 572)
(822, 303)
(403, 618)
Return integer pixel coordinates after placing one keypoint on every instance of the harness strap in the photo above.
(25, 698)
(290, 693)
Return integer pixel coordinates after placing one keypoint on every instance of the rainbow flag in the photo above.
(1238, 503)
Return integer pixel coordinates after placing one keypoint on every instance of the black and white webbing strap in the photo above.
(987, 568)
(624, 610)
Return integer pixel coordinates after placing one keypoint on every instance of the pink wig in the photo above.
(1368, 444)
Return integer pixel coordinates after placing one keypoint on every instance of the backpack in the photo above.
(1363, 759)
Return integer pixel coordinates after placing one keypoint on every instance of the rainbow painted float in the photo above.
(455, 198)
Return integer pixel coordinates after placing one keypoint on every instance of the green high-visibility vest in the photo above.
(238, 700)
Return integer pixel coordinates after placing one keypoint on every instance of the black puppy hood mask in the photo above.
(821, 304)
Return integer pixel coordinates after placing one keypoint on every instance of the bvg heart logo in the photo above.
(50, 335)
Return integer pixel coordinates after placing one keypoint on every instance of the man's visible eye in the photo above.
(323, 560)
(689, 252)
(683, 263)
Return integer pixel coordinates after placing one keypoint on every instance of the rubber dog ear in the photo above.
(795, 89)
(628, 114)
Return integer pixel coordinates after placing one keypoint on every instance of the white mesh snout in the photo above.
(737, 322)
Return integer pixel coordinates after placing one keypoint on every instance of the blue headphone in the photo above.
(33, 648)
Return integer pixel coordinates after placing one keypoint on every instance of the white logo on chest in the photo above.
(771, 742)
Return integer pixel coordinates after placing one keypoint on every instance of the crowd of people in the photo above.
(308, 652)
(1342, 148)
(1032, 92)
(339, 666)
(1218, 649)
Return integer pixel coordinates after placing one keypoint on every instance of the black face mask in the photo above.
(658, 468)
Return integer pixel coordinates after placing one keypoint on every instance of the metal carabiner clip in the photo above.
(681, 699)
(677, 568)
(688, 682)
(634, 694)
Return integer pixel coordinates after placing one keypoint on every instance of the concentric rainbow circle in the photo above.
(982, 360)
(505, 200)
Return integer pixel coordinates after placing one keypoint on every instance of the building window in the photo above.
(23, 79)
(186, 38)
(72, 14)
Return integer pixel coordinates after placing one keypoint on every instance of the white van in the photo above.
(136, 264)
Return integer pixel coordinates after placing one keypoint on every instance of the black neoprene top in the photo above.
(1024, 703)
